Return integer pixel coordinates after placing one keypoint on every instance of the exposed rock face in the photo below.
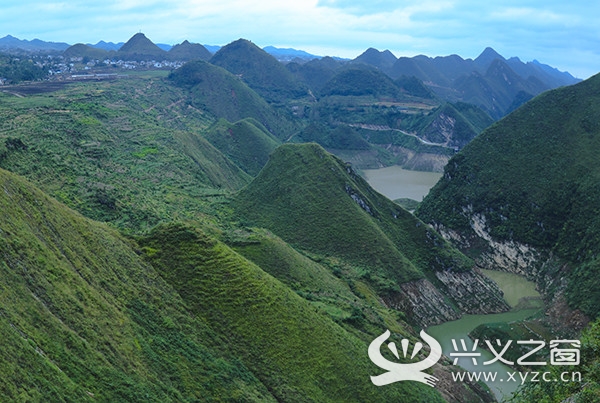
(464, 292)
(511, 256)
(441, 130)
(423, 303)
(472, 292)
(540, 266)
(508, 256)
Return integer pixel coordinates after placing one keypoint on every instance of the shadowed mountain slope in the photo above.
(261, 71)
(187, 51)
(532, 179)
(315, 202)
(221, 93)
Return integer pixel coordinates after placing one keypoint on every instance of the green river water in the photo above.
(395, 183)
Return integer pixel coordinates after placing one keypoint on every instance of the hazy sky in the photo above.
(564, 34)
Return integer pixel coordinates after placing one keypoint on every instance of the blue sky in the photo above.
(563, 34)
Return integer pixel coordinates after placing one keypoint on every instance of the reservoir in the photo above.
(515, 289)
(397, 183)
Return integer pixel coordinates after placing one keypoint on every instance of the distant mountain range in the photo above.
(491, 82)
(36, 45)
(385, 60)
(11, 43)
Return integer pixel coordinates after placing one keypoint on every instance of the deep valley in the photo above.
(195, 227)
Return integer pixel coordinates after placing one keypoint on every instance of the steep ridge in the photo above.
(297, 352)
(317, 203)
(221, 93)
(139, 47)
(524, 197)
(84, 318)
(246, 142)
(261, 71)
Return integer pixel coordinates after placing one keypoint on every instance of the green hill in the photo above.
(85, 51)
(224, 95)
(261, 71)
(186, 51)
(84, 318)
(246, 142)
(116, 155)
(382, 60)
(415, 87)
(361, 81)
(532, 179)
(318, 204)
(139, 47)
(298, 353)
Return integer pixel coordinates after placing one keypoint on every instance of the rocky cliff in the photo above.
(536, 264)
(456, 293)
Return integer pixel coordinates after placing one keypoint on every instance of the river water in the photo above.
(502, 386)
(395, 183)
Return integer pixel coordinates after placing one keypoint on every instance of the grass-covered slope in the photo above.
(126, 151)
(261, 71)
(295, 350)
(245, 142)
(453, 125)
(84, 318)
(315, 202)
(359, 81)
(225, 95)
(327, 284)
(535, 178)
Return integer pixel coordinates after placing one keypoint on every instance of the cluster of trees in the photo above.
(14, 69)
